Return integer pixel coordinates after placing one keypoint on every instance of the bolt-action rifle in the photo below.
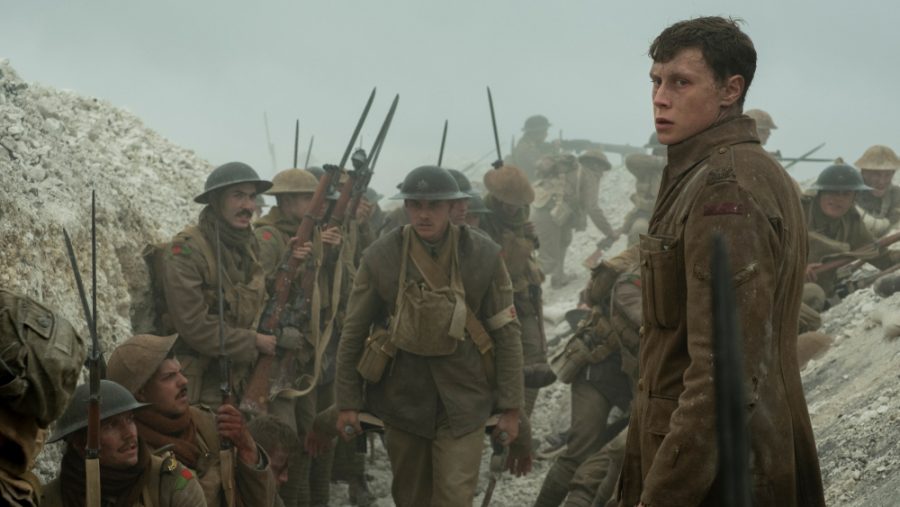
(584, 144)
(857, 257)
(96, 365)
(258, 389)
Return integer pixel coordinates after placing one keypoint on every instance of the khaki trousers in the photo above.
(439, 473)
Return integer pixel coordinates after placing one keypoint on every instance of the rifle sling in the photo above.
(436, 277)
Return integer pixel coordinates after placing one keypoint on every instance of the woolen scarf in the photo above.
(158, 430)
(119, 487)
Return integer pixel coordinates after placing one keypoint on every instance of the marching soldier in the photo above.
(880, 206)
(718, 181)
(293, 190)
(600, 363)
(647, 171)
(146, 366)
(190, 278)
(445, 347)
(593, 165)
(764, 124)
(41, 356)
(509, 194)
(555, 213)
(532, 146)
(130, 474)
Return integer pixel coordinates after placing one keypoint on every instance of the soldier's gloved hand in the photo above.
(332, 236)
(265, 344)
(508, 424)
(364, 211)
(348, 424)
(298, 251)
(290, 338)
(231, 426)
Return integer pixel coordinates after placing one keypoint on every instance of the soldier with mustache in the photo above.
(147, 367)
(190, 279)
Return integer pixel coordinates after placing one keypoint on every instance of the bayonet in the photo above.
(269, 142)
(443, 143)
(499, 162)
(95, 363)
(731, 428)
(309, 152)
(296, 141)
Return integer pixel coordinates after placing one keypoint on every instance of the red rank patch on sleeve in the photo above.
(723, 208)
(512, 311)
(266, 235)
(176, 249)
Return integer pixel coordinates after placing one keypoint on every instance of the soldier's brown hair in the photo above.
(270, 434)
(727, 50)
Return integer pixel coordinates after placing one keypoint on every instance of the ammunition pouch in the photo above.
(428, 322)
(376, 355)
(569, 363)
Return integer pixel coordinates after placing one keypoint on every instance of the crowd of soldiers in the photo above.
(425, 325)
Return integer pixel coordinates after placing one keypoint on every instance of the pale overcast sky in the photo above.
(203, 72)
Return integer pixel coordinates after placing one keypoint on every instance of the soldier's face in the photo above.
(880, 181)
(278, 463)
(836, 204)
(118, 441)
(430, 219)
(458, 211)
(166, 389)
(237, 203)
(296, 205)
(687, 99)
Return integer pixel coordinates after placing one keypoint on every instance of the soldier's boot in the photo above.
(554, 489)
(320, 479)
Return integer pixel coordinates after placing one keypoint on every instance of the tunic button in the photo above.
(722, 150)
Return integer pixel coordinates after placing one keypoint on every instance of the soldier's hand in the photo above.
(348, 424)
(530, 229)
(811, 271)
(265, 343)
(317, 443)
(231, 426)
(507, 427)
(364, 211)
(298, 251)
(331, 236)
(519, 465)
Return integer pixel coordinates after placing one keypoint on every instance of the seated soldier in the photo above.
(41, 356)
(146, 366)
(880, 206)
(130, 475)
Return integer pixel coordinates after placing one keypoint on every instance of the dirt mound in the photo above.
(55, 147)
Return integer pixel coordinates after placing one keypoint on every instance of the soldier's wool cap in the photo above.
(763, 119)
(595, 156)
(114, 400)
(510, 185)
(879, 158)
(536, 123)
(136, 359)
(293, 181)
(42, 356)
(840, 177)
(229, 174)
(430, 183)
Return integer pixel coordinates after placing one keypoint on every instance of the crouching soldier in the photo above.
(40, 359)
(146, 367)
(444, 347)
(131, 476)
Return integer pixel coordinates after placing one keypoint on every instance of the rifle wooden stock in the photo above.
(256, 396)
(857, 257)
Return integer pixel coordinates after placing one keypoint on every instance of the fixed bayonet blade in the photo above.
(296, 141)
(499, 162)
(359, 125)
(309, 152)
(803, 157)
(443, 143)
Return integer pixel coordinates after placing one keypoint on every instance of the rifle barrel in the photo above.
(499, 162)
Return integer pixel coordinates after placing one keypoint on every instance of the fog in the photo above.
(203, 72)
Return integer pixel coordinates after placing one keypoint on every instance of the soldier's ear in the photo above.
(732, 90)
